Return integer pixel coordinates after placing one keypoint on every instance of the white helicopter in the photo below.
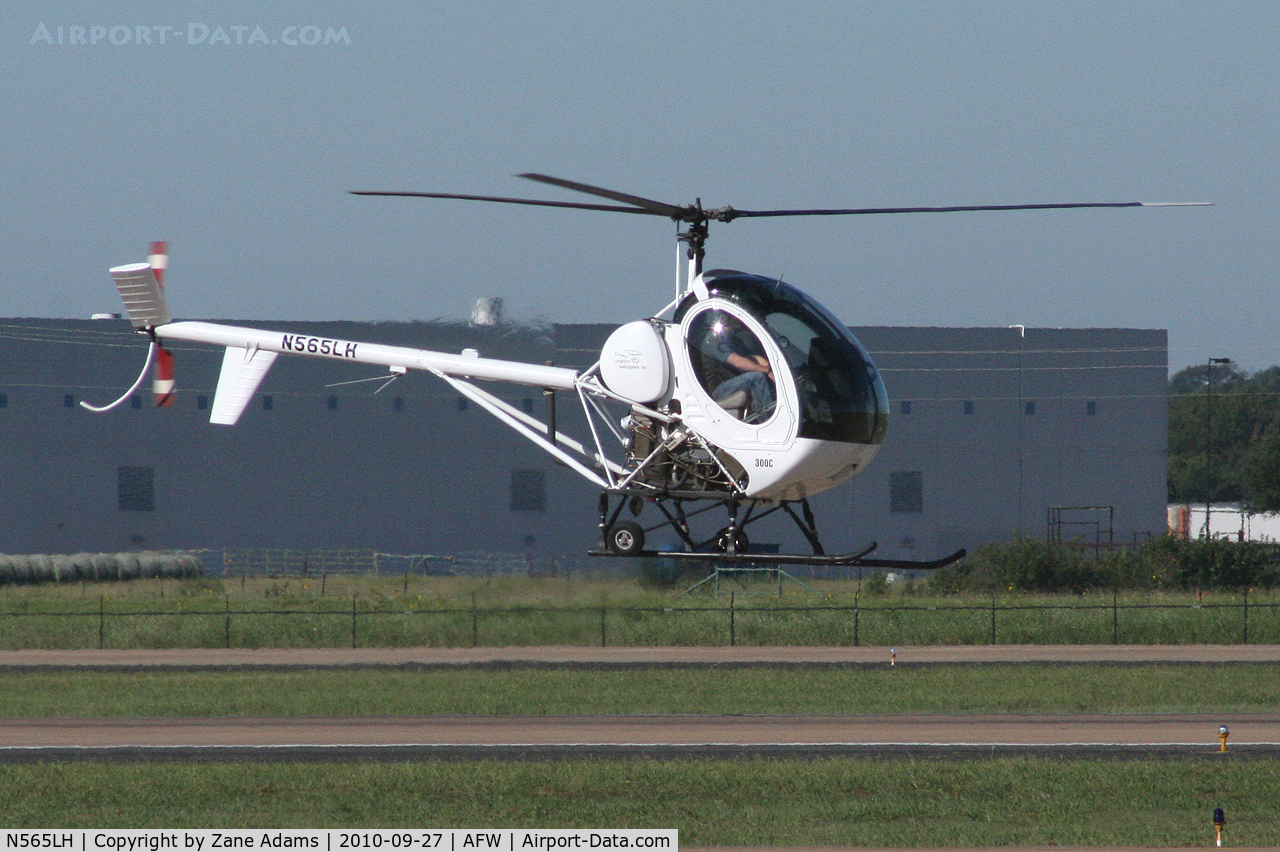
(743, 395)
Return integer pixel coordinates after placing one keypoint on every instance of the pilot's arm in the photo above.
(751, 364)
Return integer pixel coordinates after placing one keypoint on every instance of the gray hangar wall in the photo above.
(989, 429)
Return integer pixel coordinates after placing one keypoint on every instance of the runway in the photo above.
(455, 737)
(619, 736)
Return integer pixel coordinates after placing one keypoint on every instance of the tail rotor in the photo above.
(141, 286)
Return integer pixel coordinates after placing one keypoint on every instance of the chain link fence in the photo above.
(357, 621)
(285, 562)
(242, 562)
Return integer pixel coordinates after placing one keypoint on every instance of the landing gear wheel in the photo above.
(625, 538)
(739, 540)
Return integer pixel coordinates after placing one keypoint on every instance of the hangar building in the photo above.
(992, 431)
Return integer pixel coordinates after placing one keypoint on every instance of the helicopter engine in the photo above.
(636, 365)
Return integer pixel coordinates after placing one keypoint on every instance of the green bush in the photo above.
(659, 573)
(1166, 563)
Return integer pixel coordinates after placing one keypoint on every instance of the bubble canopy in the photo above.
(842, 397)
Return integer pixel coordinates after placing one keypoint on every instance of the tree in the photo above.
(1262, 471)
(1241, 463)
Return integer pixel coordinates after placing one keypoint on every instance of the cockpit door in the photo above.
(738, 377)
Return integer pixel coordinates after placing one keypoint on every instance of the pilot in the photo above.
(751, 389)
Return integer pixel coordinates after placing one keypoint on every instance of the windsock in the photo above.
(162, 378)
(159, 260)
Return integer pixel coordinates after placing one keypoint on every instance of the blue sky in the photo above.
(241, 154)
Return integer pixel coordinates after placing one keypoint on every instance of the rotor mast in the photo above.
(695, 239)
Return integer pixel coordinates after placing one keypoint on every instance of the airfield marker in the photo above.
(1219, 821)
(1222, 735)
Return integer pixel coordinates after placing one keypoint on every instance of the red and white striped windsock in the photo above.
(159, 260)
(162, 377)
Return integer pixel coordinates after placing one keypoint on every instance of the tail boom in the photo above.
(250, 352)
(288, 343)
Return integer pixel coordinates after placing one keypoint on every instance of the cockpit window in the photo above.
(842, 397)
(730, 363)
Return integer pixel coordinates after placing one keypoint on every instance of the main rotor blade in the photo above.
(728, 214)
(658, 208)
(694, 213)
(530, 201)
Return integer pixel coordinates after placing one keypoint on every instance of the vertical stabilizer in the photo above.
(242, 372)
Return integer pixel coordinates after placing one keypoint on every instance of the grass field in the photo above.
(847, 802)
(368, 611)
(1238, 688)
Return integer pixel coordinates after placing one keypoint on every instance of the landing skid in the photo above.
(752, 558)
(853, 560)
(729, 547)
(734, 565)
(922, 565)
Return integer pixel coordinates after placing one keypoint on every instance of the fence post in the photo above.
(102, 616)
(353, 620)
(602, 612)
(856, 613)
(733, 636)
(1246, 616)
(226, 627)
(1115, 616)
(475, 623)
(993, 618)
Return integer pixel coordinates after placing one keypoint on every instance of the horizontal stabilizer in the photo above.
(242, 372)
(141, 293)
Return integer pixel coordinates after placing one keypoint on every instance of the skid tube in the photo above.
(852, 560)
